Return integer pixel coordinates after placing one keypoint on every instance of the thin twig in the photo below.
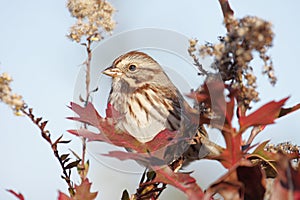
(88, 70)
(87, 98)
(46, 135)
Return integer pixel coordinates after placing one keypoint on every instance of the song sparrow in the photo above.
(146, 98)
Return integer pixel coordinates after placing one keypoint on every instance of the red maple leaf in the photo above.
(287, 183)
(109, 134)
(224, 110)
(263, 116)
(82, 192)
(63, 196)
(164, 174)
(182, 181)
(212, 95)
(242, 181)
(18, 195)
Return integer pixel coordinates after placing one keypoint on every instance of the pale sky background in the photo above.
(45, 66)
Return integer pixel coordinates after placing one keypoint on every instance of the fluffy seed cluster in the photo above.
(287, 148)
(234, 53)
(93, 17)
(6, 96)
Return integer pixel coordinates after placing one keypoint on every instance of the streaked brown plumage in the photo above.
(147, 99)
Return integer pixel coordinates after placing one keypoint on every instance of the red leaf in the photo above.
(63, 196)
(83, 191)
(285, 111)
(143, 158)
(252, 179)
(245, 182)
(233, 184)
(86, 114)
(287, 183)
(106, 126)
(212, 94)
(182, 181)
(164, 174)
(111, 112)
(224, 110)
(263, 116)
(18, 195)
(215, 89)
(200, 97)
(233, 152)
(162, 140)
(109, 134)
(91, 136)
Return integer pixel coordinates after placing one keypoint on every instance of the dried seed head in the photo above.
(93, 17)
(235, 52)
(6, 96)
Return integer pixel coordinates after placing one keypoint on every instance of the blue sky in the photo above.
(45, 66)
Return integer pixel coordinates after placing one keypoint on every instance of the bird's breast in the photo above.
(144, 112)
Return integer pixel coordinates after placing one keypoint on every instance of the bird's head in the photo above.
(136, 69)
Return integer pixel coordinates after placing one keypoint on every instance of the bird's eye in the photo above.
(132, 68)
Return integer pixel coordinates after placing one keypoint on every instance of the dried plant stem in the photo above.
(226, 9)
(88, 69)
(227, 12)
(202, 71)
(82, 165)
(46, 135)
(87, 98)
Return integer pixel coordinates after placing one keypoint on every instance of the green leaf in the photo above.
(67, 160)
(125, 195)
(72, 164)
(64, 156)
(151, 175)
(264, 155)
(65, 141)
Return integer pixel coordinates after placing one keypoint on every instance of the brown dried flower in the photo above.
(6, 96)
(234, 54)
(287, 148)
(93, 17)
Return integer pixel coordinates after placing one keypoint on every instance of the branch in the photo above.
(227, 12)
(47, 136)
(87, 63)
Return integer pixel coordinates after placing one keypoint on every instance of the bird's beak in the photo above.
(113, 72)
